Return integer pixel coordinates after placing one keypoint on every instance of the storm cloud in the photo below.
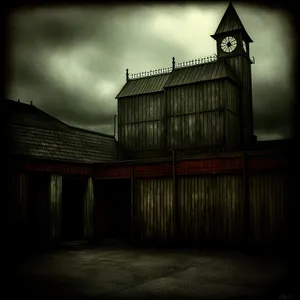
(71, 61)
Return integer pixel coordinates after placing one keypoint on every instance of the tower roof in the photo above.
(231, 22)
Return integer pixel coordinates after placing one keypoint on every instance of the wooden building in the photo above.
(188, 169)
(52, 187)
(201, 106)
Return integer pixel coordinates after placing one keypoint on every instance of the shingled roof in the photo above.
(20, 113)
(76, 146)
(37, 134)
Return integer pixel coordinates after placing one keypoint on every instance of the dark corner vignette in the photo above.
(16, 248)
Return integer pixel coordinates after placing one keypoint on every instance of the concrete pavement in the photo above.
(137, 273)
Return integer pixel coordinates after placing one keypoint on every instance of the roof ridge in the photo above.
(91, 131)
(62, 130)
(31, 106)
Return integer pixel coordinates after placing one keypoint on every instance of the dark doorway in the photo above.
(38, 209)
(112, 209)
(73, 190)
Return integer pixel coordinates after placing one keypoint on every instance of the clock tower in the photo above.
(233, 46)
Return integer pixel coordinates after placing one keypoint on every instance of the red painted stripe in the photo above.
(160, 169)
(115, 171)
(153, 170)
(267, 163)
(209, 166)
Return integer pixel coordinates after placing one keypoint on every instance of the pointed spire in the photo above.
(173, 63)
(231, 22)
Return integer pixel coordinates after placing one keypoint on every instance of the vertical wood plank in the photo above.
(55, 205)
(89, 210)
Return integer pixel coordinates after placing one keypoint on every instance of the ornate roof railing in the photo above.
(198, 61)
(149, 73)
(175, 65)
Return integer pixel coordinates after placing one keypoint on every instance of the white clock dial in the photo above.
(228, 44)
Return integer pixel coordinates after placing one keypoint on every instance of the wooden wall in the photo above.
(88, 210)
(141, 126)
(211, 209)
(55, 199)
(36, 207)
(154, 210)
(242, 67)
(233, 122)
(195, 117)
(268, 199)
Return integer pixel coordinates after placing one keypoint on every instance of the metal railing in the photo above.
(175, 65)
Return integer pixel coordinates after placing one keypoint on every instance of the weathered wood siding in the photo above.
(233, 121)
(154, 210)
(268, 200)
(88, 209)
(195, 117)
(141, 125)
(211, 209)
(242, 68)
(55, 197)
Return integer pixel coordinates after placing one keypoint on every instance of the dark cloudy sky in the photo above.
(71, 61)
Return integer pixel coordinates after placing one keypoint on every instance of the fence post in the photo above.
(132, 202)
(176, 211)
(247, 228)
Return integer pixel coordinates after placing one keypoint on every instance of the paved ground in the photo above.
(111, 272)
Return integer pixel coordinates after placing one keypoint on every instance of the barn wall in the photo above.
(233, 207)
(55, 197)
(211, 208)
(195, 117)
(268, 198)
(154, 210)
(141, 126)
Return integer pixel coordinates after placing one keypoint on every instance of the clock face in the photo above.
(244, 46)
(228, 44)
